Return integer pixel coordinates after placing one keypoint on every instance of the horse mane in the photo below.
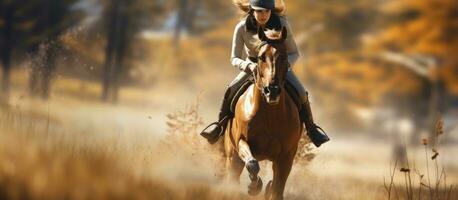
(273, 34)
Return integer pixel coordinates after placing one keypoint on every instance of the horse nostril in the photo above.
(274, 89)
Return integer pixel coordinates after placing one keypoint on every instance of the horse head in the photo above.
(272, 64)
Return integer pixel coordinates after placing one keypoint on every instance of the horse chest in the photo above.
(269, 130)
(269, 140)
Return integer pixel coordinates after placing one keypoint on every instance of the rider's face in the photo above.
(262, 16)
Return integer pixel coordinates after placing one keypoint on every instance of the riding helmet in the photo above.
(262, 4)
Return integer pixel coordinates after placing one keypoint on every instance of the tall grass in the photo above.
(435, 187)
(43, 159)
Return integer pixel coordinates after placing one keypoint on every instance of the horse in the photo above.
(266, 123)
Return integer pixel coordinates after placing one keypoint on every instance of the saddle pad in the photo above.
(239, 93)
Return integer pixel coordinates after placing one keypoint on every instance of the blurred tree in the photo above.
(24, 25)
(52, 19)
(422, 28)
(181, 21)
(7, 20)
(123, 21)
(341, 22)
(116, 41)
(196, 16)
(416, 32)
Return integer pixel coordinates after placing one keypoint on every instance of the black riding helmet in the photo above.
(262, 4)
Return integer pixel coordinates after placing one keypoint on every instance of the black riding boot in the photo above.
(225, 114)
(315, 133)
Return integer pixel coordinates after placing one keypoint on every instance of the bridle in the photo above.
(258, 58)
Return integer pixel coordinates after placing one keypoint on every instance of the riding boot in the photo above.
(315, 133)
(225, 114)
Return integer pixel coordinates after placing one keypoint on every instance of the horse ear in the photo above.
(261, 35)
(284, 34)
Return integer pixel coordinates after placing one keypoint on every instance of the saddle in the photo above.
(235, 95)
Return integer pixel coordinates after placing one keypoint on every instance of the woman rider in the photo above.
(264, 14)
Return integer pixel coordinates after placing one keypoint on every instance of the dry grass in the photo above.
(66, 148)
(42, 157)
(38, 160)
(416, 184)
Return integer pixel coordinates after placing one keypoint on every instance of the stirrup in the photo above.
(214, 123)
(318, 127)
(319, 137)
(218, 123)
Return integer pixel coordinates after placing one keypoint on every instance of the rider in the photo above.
(264, 14)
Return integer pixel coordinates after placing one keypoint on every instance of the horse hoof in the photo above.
(268, 192)
(255, 187)
(253, 167)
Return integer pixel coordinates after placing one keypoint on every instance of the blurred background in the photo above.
(91, 84)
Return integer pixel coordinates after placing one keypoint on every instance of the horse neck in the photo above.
(257, 98)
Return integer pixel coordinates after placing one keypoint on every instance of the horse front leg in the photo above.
(281, 169)
(252, 165)
(234, 165)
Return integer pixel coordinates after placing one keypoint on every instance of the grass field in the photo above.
(74, 147)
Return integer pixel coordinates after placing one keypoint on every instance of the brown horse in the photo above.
(266, 125)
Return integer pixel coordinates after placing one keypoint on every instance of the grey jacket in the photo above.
(243, 40)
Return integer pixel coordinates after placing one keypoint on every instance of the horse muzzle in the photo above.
(272, 94)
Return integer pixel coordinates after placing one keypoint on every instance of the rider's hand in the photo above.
(252, 67)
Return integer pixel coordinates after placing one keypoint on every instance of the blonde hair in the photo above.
(244, 6)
